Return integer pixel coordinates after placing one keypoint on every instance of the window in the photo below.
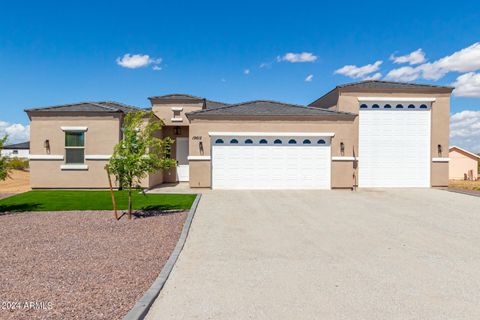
(399, 106)
(234, 141)
(321, 141)
(292, 141)
(263, 141)
(411, 106)
(15, 152)
(375, 106)
(277, 141)
(363, 106)
(219, 141)
(248, 141)
(387, 106)
(74, 147)
(423, 106)
(306, 141)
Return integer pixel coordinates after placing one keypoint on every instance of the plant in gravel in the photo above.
(4, 167)
(139, 152)
(18, 164)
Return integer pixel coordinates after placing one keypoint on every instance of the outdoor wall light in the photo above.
(439, 148)
(177, 131)
(46, 145)
(342, 148)
(200, 147)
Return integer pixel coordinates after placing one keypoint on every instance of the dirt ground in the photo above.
(464, 184)
(80, 265)
(19, 181)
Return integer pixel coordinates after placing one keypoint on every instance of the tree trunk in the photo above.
(130, 202)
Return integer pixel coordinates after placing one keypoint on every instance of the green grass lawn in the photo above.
(63, 200)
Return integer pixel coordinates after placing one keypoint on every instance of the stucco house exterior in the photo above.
(16, 150)
(463, 164)
(366, 134)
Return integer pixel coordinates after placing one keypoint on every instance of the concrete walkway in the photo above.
(371, 254)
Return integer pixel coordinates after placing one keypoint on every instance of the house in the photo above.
(366, 134)
(16, 150)
(463, 164)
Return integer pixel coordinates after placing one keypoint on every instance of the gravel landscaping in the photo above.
(81, 265)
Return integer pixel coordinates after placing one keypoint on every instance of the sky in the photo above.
(57, 52)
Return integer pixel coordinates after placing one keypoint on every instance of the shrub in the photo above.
(18, 164)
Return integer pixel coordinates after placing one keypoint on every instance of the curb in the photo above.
(141, 308)
(473, 193)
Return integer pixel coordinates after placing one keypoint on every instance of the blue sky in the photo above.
(56, 52)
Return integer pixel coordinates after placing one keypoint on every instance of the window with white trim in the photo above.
(74, 147)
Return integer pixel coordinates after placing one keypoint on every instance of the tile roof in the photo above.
(264, 108)
(380, 84)
(21, 145)
(177, 96)
(102, 106)
(209, 104)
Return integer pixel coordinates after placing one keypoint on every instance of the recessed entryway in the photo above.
(182, 158)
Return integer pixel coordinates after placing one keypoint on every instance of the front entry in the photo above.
(182, 159)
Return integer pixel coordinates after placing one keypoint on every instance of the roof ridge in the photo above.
(471, 153)
(176, 95)
(395, 82)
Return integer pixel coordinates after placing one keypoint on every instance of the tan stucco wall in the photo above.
(342, 172)
(100, 138)
(460, 164)
(164, 111)
(440, 124)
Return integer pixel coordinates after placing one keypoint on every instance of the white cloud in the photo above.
(246, 71)
(265, 65)
(375, 76)
(465, 60)
(465, 130)
(134, 61)
(309, 78)
(353, 71)
(298, 57)
(16, 132)
(157, 68)
(403, 74)
(467, 85)
(415, 57)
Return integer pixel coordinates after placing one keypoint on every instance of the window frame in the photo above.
(67, 148)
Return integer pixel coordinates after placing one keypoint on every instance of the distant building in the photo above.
(463, 164)
(17, 150)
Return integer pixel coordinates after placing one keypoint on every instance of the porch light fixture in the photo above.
(439, 148)
(200, 147)
(342, 149)
(46, 145)
(177, 130)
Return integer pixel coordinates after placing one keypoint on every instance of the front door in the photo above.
(182, 159)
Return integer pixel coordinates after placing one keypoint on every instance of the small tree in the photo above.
(4, 165)
(139, 152)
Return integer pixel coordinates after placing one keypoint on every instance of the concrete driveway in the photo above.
(372, 254)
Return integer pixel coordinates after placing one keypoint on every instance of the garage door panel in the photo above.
(271, 166)
(394, 148)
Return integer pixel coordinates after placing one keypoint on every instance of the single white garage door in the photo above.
(394, 145)
(270, 162)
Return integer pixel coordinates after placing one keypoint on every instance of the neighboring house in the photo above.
(463, 164)
(16, 150)
(369, 133)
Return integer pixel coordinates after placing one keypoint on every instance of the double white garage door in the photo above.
(270, 162)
